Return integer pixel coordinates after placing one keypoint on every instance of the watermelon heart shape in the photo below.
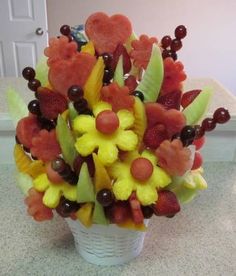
(107, 32)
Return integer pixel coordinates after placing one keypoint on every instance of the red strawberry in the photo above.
(171, 100)
(118, 212)
(155, 135)
(51, 103)
(131, 83)
(199, 142)
(189, 96)
(136, 210)
(121, 50)
(197, 162)
(167, 204)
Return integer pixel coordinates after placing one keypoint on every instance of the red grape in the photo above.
(176, 45)
(75, 92)
(65, 30)
(166, 41)
(28, 73)
(221, 115)
(180, 32)
(208, 124)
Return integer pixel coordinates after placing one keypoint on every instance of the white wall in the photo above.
(210, 47)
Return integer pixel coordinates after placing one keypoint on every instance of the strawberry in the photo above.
(167, 204)
(118, 212)
(189, 96)
(171, 100)
(136, 210)
(199, 142)
(51, 103)
(155, 135)
(197, 162)
(131, 83)
(121, 50)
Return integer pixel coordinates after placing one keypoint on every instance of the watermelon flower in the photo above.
(54, 191)
(140, 174)
(107, 131)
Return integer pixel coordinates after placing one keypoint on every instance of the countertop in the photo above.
(200, 240)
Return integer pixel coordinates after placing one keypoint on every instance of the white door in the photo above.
(23, 34)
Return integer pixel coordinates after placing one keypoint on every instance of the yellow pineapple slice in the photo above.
(129, 224)
(102, 179)
(94, 83)
(21, 158)
(88, 48)
(140, 122)
(36, 168)
(84, 214)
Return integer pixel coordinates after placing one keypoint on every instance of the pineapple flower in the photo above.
(54, 191)
(104, 137)
(139, 173)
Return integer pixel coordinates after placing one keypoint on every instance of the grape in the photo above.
(187, 135)
(34, 84)
(75, 92)
(58, 165)
(108, 75)
(80, 105)
(28, 73)
(65, 30)
(174, 55)
(46, 124)
(139, 95)
(107, 122)
(166, 41)
(147, 211)
(17, 140)
(34, 108)
(180, 32)
(107, 58)
(199, 131)
(176, 45)
(66, 207)
(208, 124)
(105, 197)
(166, 53)
(221, 115)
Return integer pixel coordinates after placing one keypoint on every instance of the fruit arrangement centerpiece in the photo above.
(111, 138)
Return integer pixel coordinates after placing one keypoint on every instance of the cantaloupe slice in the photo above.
(94, 83)
(152, 80)
(36, 168)
(140, 122)
(84, 214)
(101, 177)
(22, 160)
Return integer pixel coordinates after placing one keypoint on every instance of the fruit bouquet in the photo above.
(111, 138)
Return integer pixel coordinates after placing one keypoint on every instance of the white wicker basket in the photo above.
(106, 245)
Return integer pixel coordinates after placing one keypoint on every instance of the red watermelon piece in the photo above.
(107, 32)
(121, 50)
(45, 146)
(27, 128)
(75, 71)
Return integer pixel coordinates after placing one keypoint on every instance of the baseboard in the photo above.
(220, 145)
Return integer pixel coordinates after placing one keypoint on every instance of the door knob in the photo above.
(39, 31)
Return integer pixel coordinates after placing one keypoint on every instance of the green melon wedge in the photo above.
(119, 72)
(16, 105)
(85, 187)
(24, 182)
(151, 83)
(66, 140)
(99, 216)
(129, 41)
(41, 71)
(72, 111)
(195, 111)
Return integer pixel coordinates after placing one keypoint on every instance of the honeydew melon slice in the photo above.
(199, 106)
(85, 188)
(16, 105)
(119, 72)
(41, 71)
(24, 182)
(99, 214)
(66, 140)
(151, 83)
(72, 112)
